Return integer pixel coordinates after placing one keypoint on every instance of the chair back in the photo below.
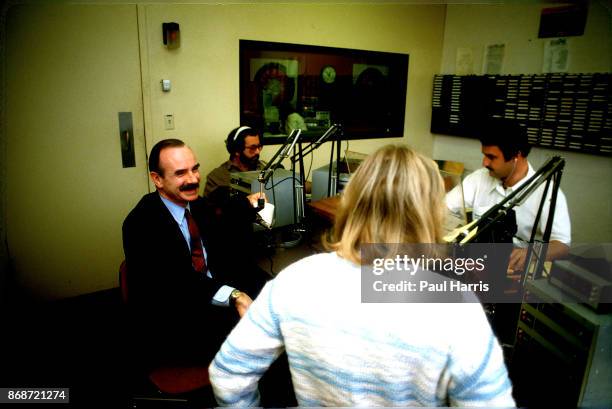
(123, 282)
(172, 379)
(180, 379)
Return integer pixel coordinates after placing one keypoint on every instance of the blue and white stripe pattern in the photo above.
(346, 353)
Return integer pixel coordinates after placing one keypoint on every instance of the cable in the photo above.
(346, 162)
(279, 182)
(271, 265)
(272, 188)
(309, 166)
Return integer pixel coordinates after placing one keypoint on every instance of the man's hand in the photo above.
(254, 197)
(555, 250)
(242, 303)
(517, 260)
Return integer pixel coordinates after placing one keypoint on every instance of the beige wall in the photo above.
(586, 180)
(70, 70)
(204, 71)
(516, 25)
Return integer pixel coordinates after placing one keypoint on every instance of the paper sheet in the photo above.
(494, 59)
(464, 62)
(556, 55)
(267, 215)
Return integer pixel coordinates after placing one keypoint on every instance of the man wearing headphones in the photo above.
(236, 213)
(244, 146)
(505, 148)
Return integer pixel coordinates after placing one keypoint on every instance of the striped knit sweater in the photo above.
(346, 353)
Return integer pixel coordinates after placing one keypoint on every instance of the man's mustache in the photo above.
(189, 186)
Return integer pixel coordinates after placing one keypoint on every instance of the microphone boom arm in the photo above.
(268, 170)
(278, 157)
(327, 135)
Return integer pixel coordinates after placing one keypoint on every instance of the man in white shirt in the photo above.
(505, 148)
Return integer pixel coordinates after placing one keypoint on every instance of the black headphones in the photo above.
(237, 135)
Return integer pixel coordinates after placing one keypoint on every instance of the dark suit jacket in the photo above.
(169, 300)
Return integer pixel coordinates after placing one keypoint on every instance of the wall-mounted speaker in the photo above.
(563, 21)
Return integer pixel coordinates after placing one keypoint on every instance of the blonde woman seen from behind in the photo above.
(343, 352)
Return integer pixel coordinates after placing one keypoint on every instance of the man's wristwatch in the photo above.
(234, 296)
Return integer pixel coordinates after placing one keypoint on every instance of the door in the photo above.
(70, 70)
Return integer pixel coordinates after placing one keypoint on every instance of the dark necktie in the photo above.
(197, 252)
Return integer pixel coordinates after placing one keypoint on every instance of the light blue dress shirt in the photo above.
(221, 297)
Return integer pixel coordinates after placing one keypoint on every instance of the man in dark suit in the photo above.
(183, 296)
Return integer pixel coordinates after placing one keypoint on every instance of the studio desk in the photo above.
(325, 208)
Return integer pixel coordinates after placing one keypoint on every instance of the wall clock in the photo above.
(328, 74)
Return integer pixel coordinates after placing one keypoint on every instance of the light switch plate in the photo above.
(166, 86)
(169, 122)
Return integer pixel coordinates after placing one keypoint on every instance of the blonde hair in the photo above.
(395, 196)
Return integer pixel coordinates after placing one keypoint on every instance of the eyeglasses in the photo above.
(253, 148)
